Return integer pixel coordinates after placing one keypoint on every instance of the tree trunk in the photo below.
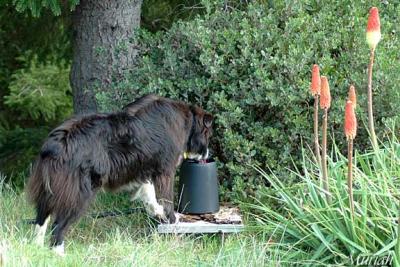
(103, 47)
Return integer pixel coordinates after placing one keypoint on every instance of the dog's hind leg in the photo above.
(42, 221)
(65, 217)
(61, 224)
(71, 208)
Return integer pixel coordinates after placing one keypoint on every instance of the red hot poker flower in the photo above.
(373, 28)
(325, 99)
(350, 121)
(352, 96)
(315, 81)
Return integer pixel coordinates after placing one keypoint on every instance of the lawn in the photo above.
(129, 240)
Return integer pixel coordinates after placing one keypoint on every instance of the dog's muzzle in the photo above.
(195, 156)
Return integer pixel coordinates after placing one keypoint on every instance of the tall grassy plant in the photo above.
(307, 221)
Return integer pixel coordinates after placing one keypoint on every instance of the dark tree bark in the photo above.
(103, 36)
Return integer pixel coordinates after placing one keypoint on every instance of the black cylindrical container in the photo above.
(198, 188)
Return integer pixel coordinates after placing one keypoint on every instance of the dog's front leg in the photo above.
(147, 194)
(164, 186)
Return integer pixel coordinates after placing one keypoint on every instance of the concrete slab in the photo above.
(227, 220)
(199, 227)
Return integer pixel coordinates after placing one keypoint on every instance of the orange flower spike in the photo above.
(315, 81)
(373, 28)
(352, 96)
(325, 99)
(350, 121)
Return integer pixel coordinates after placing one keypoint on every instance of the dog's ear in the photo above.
(207, 120)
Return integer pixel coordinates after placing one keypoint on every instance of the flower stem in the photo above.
(316, 136)
(350, 174)
(370, 112)
(324, 144)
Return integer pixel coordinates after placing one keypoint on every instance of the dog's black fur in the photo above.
(143, 142)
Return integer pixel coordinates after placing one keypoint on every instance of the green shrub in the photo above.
(40, 91)
(326, 231)
(251, 68)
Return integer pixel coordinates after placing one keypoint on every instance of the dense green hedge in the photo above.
(251, 68)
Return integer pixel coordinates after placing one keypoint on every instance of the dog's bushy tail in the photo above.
(38, 186)
(51, 184)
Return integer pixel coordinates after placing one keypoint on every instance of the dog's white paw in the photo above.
(59, 250)
(159, 211)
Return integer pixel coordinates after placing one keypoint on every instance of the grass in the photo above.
(120, 241)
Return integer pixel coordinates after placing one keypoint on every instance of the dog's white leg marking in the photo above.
(59, 250)
(136, 193)
(147, 194)
(41, 232)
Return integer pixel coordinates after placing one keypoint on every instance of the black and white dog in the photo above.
(137, 149)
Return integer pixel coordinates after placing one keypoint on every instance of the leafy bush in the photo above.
(251, 68)
(326, 231)
(40, 91)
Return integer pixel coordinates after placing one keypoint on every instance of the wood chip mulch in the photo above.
(227, 214)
